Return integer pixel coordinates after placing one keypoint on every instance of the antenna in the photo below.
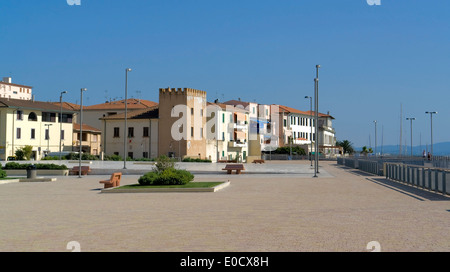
(401, 118)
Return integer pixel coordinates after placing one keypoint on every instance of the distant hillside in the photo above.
(439, 149)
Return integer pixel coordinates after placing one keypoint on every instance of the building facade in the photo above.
(15, 91)
(34, 123)
(141, 134)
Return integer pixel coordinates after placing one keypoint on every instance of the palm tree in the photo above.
(346, 145)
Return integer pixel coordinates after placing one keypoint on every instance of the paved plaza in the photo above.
(276, 206)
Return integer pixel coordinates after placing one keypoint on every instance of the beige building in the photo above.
(93, 113)
(34, 123)
(90, 139)
(182, 123)
(142, 134)
(14, 91)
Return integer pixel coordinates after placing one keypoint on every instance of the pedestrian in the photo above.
(424, 154)
(429, 156)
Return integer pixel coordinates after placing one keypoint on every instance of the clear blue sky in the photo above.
(373, 58)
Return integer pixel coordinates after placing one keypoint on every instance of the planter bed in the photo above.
(39, 172)
(196, 187)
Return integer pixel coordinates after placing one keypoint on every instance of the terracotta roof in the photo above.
(68, 105)
(224, 106)
(76, 127)
(30, 104)
(292, 110)
(236, 102)
(149, 113)
(133, 104)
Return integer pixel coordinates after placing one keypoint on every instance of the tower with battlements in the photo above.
(182, 123)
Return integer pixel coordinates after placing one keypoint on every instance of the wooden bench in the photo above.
(76, 169)
(258, 161)
(114, 181)
(234, 167)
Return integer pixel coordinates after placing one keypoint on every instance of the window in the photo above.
(130, 155)
(47, 134)
(66, 118)
(192, 111)
(18, 133)
(94, 138)
(116, 153)
(223, 136)
(145, 133)
(131, 132)
(32, 117)
(84, 137)
(145, 154)
(192, 131)
(223, 117)
(201, 133)
(62, 134)
(253, 110)
(48, 117)
(19, 115)
(284, 122)
(116, 132)
(33, 133)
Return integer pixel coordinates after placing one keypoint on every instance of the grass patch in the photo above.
(188, 185)
(12, 178)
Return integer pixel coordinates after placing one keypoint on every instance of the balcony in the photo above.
(237, 144)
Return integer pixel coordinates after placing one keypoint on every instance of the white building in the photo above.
(228, 132)
(34, 123)
(14, 91)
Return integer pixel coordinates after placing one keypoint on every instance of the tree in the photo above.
(346, 145)
(366, 151)
(24, 153)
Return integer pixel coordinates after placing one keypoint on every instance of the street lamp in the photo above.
(375, 122)
(60, 123)
(310, 124)
(431, 117)
(125, 129)
(81, 130)
(411, 119)
(48, 137)
(316, 122)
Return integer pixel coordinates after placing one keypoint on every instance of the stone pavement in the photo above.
(342, 210)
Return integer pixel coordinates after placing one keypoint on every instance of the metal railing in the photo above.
(424, 177)
(433, 179)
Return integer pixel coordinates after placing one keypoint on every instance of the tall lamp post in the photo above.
(81, 130)
(316, 122)
(431, 117)
(310, 124)
(411, 119)
(125, 129)
(375, 122)
(60, 122)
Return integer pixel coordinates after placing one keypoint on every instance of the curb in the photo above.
(167, 190)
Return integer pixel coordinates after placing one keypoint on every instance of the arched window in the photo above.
(32, 116)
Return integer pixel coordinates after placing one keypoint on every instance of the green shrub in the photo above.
(169, 176)
(113, 158)
(163, 162)
(15, 165)
(2, 174)
(187, 159)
